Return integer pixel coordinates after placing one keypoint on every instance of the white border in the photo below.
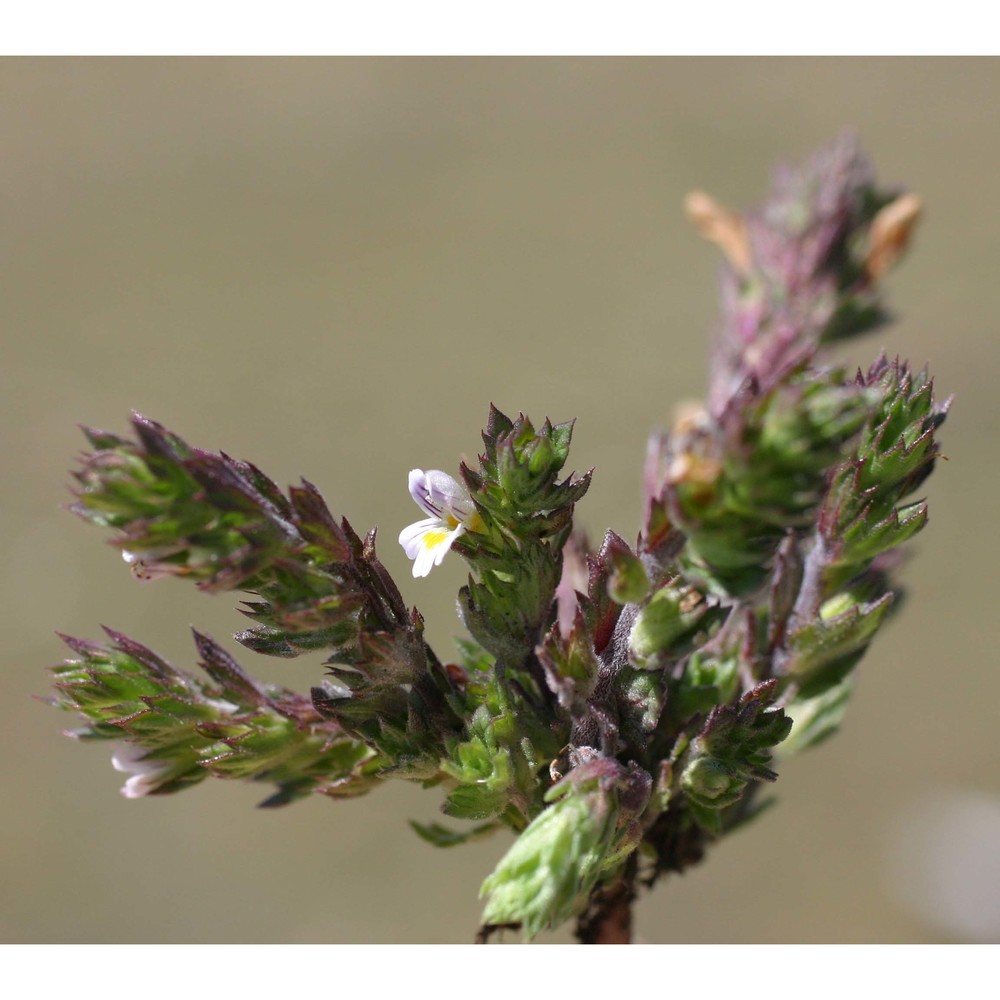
(752, 972)
(477, 27)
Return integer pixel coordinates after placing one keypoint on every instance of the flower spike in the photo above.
(618, 708)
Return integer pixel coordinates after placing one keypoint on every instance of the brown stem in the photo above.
(486, 931)
(608, 917)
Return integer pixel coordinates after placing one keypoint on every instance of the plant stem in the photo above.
(608, 917)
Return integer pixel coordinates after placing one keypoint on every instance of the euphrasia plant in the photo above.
(617, 707)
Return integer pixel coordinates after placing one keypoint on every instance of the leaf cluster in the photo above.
(229, 726)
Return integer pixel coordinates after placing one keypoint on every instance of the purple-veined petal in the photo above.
(449, 493)
(438, 494)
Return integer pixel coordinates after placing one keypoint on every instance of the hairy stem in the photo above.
(608, 917)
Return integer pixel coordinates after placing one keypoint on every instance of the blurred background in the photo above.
(331, 267)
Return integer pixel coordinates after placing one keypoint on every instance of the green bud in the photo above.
(551, 869)
(628, 583)
(671, 613)
(731, 750)
(708, 781)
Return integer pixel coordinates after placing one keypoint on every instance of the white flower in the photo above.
(146, 774)
(451, 510)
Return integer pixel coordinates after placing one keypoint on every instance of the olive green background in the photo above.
(331, 267)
